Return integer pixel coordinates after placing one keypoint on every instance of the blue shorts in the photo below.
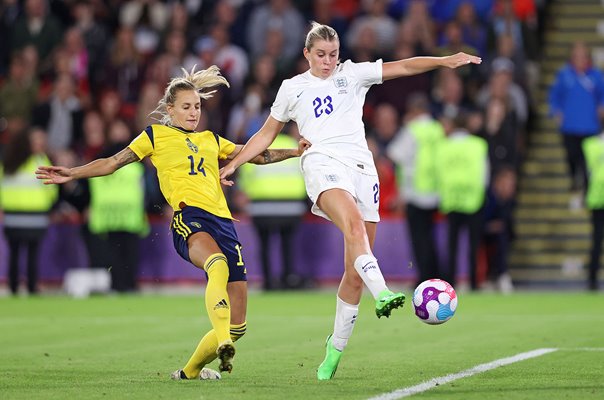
(192, 220)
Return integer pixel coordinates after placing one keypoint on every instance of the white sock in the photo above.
(369, 271)
(346, 315)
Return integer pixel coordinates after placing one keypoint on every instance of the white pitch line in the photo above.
(432, 383)
(582, 348)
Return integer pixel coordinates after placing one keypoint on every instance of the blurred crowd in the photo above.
(88, 73)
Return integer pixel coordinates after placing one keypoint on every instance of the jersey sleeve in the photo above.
(280, 108)
(142, 145)
(225, 147)
(367, 73)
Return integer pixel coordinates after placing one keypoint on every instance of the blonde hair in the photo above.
(320, 32)
(194, 80)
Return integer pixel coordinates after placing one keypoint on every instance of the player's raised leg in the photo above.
(359, 237)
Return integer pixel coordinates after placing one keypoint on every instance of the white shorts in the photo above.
(322, 173)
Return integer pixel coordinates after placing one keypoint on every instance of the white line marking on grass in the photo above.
(432, 383)
(582, 348)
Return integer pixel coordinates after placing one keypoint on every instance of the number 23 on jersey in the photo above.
(322, 106)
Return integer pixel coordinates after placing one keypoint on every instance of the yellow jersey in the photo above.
(187, 166)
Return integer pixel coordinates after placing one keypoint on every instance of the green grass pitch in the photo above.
(125, 347)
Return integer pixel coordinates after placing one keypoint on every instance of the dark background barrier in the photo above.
(318, 253)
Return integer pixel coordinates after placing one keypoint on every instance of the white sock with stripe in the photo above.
(368, 269)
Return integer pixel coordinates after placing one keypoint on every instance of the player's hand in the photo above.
(225, 172)
(461, 59)
(52, 174)
(303, 145)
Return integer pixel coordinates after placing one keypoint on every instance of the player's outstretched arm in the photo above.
(270, 156)
(256, 145)
(99, 167)
(418, 65)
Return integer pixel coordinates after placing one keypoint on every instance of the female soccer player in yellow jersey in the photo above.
(341, 179)
(202, 227)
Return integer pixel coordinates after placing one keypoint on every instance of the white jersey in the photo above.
(329, 111)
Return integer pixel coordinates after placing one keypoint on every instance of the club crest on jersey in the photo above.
(340, 82)
(192, 146)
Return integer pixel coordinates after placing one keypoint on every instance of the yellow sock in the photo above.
(217, 299)
(205, 352)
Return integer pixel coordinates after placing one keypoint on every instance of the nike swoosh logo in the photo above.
(299, 94)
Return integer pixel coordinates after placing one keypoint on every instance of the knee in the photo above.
(355, 231)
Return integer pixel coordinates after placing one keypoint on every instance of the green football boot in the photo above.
(388, 301)
(328, 367)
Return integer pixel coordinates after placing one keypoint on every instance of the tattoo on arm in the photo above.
(267, 156)
(276, 155)
(273, 156)
(125, 157)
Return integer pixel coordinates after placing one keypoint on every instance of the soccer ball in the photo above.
(434, 301)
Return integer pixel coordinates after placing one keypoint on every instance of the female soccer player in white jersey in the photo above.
(341, 179)
(202, 227)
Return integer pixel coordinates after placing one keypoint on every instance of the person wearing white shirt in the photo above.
(341, 179)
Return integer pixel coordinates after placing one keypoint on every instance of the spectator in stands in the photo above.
(38, 27)
(524, 32)
(414, 151)
(277, 203)
(181, 21)
(205, 49)
(202, 227)
(176, 47)
(276, 15)
(420, 21)
(110, 106)
(25, 202)
(147, 18)
(501, 85)
(123, 69)
(498, 225)
(96, 38)
(340, 174)
(228, 14)
(365, 44)
(61, 116)
(18, 94)
(506, 50)
(474, 33)
(444, 11)
(9, 12)
(463, 178)
(385, 124)
(76, 54)
(94, 136)
(150, 96)
(376, 20)
(452, 43)
(501, 131)
(576, 101)
(248, 115)
(448, 95)
(231, 59)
